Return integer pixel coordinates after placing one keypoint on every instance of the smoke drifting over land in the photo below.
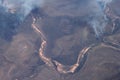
(22, 7)
(68, 43)
(94, 8)
(99, 19)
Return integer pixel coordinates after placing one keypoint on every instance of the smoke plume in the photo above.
(22, 7)
(95, 8)
(99, 19)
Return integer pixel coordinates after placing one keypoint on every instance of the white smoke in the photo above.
(23, 7)
(105, 1)
(98, 23)
(94, 7)
(28, 5)
(99, 19)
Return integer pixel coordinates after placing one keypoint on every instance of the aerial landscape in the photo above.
(59, 40)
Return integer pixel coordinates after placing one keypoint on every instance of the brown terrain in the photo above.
(55, 43)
